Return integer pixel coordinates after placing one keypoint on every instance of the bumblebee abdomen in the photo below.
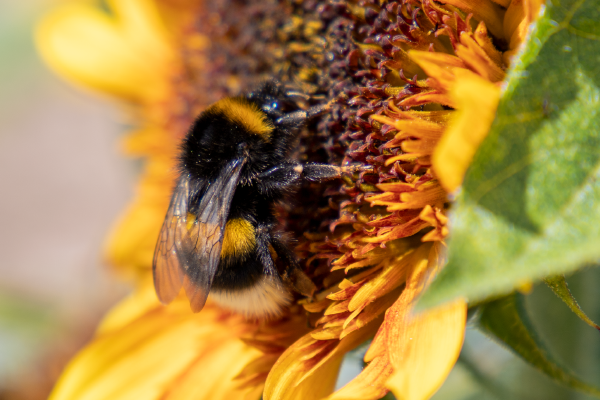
(242, 282)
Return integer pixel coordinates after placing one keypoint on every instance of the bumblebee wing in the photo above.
(168, 266)
(206, 235)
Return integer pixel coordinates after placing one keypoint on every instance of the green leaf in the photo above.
(506, 320)
(559, 286)
(529, 204)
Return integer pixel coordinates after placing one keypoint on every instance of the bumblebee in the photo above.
(219, 233)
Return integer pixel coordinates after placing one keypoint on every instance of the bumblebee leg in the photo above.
(322, 172)
(283, 176)
(292, 121)
(288, 175)
(318, 110)
(262, 248)
(294, 274)
(296, 120)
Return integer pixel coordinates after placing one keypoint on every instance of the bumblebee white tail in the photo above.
(267, 298)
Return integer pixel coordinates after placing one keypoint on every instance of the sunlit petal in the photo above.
(144, 350)
(309, 368)
(477, 100)
(429, 345)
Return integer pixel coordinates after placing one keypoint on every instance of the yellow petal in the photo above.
(429, 193)
(390, 278)
(361, 317)
(151, 142)
(131, 308)
(422, 348)
(417, 128)
(212, 375)
(483, 40)
(475, 57)
(126, 57)
(309, 368)
(147, 351)
(438, 66)
(369, 384)
(143, 27)
(283, 378)
(131, 246)
(477, 101)
(430, 345)
(483, 10)
(413, 368)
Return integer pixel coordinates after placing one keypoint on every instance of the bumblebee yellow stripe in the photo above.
(239, 238)
(241, 111)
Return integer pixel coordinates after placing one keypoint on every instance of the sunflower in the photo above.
(414, 86)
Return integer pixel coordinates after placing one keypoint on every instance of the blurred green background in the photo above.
(63, 185)
(488, 371)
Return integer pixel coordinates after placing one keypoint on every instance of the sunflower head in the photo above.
(413, 87)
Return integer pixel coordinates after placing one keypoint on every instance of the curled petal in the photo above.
(477, 101)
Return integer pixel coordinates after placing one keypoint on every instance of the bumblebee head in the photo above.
(260, 127)
(273, 100)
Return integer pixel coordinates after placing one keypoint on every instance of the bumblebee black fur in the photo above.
(219, 233)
